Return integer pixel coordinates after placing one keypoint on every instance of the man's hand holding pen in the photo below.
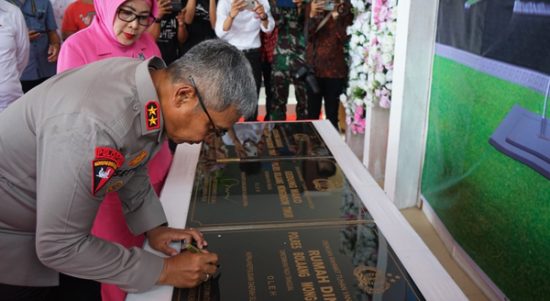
(188, 268)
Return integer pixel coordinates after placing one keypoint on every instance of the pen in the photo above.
(190, 247)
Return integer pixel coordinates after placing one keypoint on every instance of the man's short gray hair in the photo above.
(222, 74)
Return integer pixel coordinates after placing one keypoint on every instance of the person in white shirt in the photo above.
(239, 22)
(14, 52)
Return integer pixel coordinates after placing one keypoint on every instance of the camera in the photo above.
(307, 74)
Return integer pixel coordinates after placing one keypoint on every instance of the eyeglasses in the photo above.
(219, 132)
(129, 16)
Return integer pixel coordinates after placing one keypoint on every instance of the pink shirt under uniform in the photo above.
(95, 43)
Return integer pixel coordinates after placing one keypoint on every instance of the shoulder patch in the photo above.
(104, 165)
(152, 121)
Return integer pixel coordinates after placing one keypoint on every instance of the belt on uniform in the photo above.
(251, 50)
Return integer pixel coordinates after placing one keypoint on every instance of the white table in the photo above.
(428, 274)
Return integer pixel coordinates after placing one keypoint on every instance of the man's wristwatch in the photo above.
(264, 17)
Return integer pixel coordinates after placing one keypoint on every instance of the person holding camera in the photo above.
(289, 55)
(239, 23)
(169, 29)
(326, 22)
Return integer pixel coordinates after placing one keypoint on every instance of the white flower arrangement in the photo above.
(371, 51)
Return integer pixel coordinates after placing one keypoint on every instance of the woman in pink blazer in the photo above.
(118, 30)
(109, 36)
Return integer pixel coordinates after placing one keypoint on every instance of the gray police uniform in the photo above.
(64, 145)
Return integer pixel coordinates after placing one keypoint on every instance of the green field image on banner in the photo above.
(496, 208)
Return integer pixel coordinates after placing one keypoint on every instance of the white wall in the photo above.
(414, 54)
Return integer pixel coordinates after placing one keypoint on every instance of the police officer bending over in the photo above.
(90, 131)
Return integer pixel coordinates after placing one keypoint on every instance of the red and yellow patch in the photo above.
(138, 159)
(104, 165)
(152, 118)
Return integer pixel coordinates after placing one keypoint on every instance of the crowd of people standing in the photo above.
(287, 42)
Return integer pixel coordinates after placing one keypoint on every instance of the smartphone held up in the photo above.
(250, 4)
(328, 5)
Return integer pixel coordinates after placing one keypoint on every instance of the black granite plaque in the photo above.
(271, 193)
(347, 262)
(275, 206)
(254, 141)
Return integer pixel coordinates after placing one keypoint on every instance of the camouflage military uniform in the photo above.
(289, 55)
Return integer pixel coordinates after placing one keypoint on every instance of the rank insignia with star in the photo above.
(152, 115)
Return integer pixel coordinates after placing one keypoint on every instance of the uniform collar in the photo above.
(151, 115)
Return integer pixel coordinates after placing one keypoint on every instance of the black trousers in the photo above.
(331, 88)
(69, 289)
(266, 76)
(255, 60)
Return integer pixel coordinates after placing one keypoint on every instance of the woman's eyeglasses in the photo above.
(129, 16)
(219, 132)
